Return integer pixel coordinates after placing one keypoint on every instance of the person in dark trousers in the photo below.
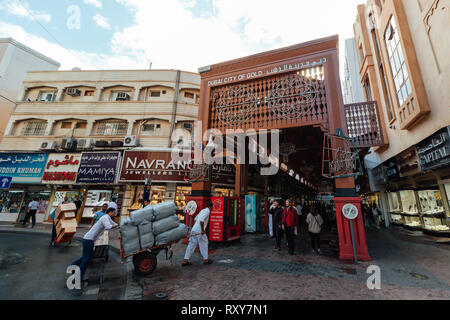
(315, 222)
(78, 205)
(290, 222)
(31, 212)
(277, 213)
(105, 223)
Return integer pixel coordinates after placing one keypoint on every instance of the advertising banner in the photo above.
(98, 167)
(216, 219)
(23, 167)
(61, 168)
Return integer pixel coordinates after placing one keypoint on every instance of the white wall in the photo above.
(15, 61)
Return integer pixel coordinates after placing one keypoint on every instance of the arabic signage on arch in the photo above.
(23, 167)
(98, 167)
(268, 72)
(61, 168)
(434, 151)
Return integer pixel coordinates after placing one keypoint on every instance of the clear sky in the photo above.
(169, 34)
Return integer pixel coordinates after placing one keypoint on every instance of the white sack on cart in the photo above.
(165, 224)
(164, 210)
(130, 238)
(172, 235)
(125, 221)
(146, 236)
(139, 216)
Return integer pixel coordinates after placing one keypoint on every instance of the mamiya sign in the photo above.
(435, 151)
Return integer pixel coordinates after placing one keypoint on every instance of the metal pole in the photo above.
(353, 241)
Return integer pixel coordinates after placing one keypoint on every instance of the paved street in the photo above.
(411, 268)
(30, 269)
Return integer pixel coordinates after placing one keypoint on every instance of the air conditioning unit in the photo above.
(85, 144)
(69, 144)
(187, 126)
(102, 144)
(122, 96)
(74, 92)
(131, 141)
(48, 145)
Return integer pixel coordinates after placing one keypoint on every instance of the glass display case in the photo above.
(447, 191)
(410, 211)
(395, 208)
(432, 208)
(181, 196)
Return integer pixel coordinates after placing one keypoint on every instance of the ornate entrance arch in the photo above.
(289, 88)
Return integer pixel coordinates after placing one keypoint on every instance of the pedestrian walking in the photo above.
(105, 223)
(314, 221)
(299, 208)
(376, 215)
(99, 214)
(277, 224)
(78, 205)
(290, 223)
(270, 213)
(31, 212)
(198, 237)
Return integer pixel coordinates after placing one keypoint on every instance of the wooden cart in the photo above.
(145, 260)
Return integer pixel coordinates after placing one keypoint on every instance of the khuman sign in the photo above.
(61, 168)
(216, 219)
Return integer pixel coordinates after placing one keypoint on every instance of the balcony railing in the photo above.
(363, 124)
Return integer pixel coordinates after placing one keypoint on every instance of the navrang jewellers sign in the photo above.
(268, 72)
(435, 151)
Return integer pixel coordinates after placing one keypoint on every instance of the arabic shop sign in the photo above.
(61, 168)
(268, 72)
(391, 169)
(98, 167)
(435, 151)
(23, 167)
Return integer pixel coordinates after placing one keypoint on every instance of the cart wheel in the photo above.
(144, 263)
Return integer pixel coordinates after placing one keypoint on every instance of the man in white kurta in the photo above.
(198, 236)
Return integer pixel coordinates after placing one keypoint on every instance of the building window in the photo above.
(66, 125)
(81, 125)
(397, 61)
(381, 67)
(34, 128)
(120, 96)
(89, 93)
(150, 128)
(112, 129)
(47, 96)
(189, 95)
(367, 89)
(155, 94)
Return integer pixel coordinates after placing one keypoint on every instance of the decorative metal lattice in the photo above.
(340, 157)
(282, 101)
(363, 124)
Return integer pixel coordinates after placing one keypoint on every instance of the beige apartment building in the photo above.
(66, 122)
(404, 58)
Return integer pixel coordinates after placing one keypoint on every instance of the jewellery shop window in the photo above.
(157, 194)
(10, 201)
(181, 196)
(410, 210)
(395, 207)
(432, 208)
(447, 190)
